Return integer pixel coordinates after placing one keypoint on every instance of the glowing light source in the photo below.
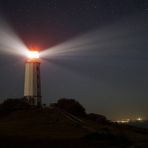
(139, 119)
(33, 54)
(123, 121)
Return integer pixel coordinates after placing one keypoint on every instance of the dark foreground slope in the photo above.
(53, 127)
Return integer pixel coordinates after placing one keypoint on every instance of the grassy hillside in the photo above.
(53, 127)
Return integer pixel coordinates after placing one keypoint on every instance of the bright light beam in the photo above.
(118, 39)
(9, 41)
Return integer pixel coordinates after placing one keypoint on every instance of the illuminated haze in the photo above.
(106, 67)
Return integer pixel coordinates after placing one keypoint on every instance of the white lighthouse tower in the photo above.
(32, 85)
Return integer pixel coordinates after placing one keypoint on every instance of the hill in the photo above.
(55, 127)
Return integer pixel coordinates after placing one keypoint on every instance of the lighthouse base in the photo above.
(33, 100)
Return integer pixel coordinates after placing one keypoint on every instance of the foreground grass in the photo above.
(50, 127)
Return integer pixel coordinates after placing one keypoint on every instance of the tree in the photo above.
(15, 104)
(97, 118)
(71, 105)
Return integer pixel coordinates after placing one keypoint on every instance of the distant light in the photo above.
(123, 121)
(33, 54)
(139, 119)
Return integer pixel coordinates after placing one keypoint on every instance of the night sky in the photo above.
(95, 51)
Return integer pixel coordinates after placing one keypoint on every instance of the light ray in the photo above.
(10, 43)
(118, 39)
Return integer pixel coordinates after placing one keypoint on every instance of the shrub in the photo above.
(71, 105)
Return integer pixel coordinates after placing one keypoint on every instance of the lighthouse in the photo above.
(32, 83)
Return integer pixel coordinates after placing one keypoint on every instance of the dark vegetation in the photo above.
(64, 124)
(11, 105)
(70, 105)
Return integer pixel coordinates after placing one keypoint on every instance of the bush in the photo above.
(71, 105)
(97, 118)
(14, 104)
